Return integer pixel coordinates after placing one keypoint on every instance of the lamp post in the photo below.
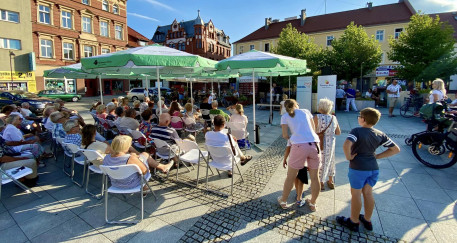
(12, 55)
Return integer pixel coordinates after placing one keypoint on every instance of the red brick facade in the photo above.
(74, 35)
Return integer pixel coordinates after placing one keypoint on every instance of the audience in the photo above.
(111, 112)
(216, 111)
(146, 124)
(129, 120)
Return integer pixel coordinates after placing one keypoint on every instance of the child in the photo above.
(300, 180)
(359, 148)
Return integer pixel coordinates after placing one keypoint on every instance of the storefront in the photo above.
(18, 81)
(66, 85)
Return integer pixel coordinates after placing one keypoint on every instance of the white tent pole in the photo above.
(253, 106)
(271, 100)
(289, 87)
(65, 84)
(158, 90)
(212, 89)
(100, 86)
(191, 94)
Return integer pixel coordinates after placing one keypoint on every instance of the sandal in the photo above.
(282, 204)
(330, 185)
(246, 160)
(312, 207)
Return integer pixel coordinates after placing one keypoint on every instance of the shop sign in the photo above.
(17, 76)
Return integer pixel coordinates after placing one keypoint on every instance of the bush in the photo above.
(243, 98)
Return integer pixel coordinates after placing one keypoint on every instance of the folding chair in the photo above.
(123, 130)
(222, 158)
(192, 154)
(112, 126)
(171, 154)
(118, 173)
(92, 155)
(103, 125)
(188, 122)
(238, 129)
(74, 149)
(137, 135)
(12, 175)
(205, 113)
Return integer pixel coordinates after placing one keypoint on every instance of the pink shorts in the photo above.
(303, 153)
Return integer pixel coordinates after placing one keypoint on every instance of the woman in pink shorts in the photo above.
(304, 149)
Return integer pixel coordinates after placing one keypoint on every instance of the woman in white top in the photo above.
(282, 108)
(304, 149)
(328, 123)
(438, 93)
(239, 130)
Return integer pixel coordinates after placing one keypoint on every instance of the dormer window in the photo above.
(115, 9)
(105, 5)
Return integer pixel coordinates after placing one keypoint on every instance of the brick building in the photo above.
(64, 31)
(136, 39)
(196, 37)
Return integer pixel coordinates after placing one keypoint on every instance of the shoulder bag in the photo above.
(322, 134)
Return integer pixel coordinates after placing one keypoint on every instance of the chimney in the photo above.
(303, 17)
(370, 5)
(267, 22)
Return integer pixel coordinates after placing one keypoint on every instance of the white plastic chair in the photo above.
(238, 130)
(188, 121)
(12, 175)
(118, 173)
(92, 155)
(222, 158)
(137, 135)
(74, 149)
(123, 130)
(192, 154)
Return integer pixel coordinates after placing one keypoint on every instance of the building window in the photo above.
(87, 24)
(182, 46)
(380, 35)
(10, 44)
(267, 47)
(251, 47)
(46, 48)
(45, 14)
(199, 44)
(105, 50)
(85, 2)
(88, 51)
(105, 5)
(398, 32)
(68, 51)
(10, 16)
(329, 40)
(118, 32)
(115, 9)
(66, 19)
(104, 28)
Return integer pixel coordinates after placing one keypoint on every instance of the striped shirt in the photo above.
(366, 141)
(166, 134)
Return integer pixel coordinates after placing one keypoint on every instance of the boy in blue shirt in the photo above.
(359, 148)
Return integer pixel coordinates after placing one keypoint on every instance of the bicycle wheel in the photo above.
(406, 111)
(432, 150)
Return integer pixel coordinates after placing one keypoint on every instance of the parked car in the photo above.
(137, 94)
(54, 94)
(163, 90)
(4, 102)
(37, 104)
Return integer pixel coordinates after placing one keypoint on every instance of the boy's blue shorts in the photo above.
(358, 178)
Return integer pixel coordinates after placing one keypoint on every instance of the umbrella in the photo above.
(146, 59)
(254, 61)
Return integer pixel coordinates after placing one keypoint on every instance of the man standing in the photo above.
(393, 94)
(339, 97)
(350, 98)
(276, 91)
(181, 91)
(146, 93)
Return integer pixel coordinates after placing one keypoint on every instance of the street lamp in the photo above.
(12, 55)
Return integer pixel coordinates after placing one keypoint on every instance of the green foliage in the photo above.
(425, 50)
(243, 98)
(352, 51)
(299, 45)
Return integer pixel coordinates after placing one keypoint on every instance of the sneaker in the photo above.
(346, 222)
(366, 224)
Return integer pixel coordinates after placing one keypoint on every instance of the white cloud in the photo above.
(434, 6)
(142, 16)
(159, 4)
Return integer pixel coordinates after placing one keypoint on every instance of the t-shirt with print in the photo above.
(366, 141)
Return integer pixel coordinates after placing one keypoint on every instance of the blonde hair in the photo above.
(284, 97)
(68, 125)
(239, 109)
(290, 106)
(100, 109)
(136, 103)
(440, 85)
(370, 115)
(325, 106)
(188, 107)
(121, 144)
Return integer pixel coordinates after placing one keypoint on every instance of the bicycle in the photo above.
(412, 105)
(437, 148)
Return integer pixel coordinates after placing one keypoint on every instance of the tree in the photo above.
(299, 45)
(425, 50)
(354, 52)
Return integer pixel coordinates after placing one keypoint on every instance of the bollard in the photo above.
(257, 137)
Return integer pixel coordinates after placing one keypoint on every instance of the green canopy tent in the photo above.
(261, 63)
(146, 59)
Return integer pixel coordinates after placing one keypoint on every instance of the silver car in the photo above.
(137, 94)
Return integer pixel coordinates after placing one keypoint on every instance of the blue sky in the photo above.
(238, 18)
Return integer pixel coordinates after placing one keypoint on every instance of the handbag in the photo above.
(322, 134)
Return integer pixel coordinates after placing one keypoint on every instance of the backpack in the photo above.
(432, 111)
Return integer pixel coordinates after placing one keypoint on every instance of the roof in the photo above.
(199, 20)
(450, 17)
(377, 15)
(134, 37)
(187, 25)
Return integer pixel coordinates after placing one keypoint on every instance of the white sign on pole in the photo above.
(326, 88)
(304, 92)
